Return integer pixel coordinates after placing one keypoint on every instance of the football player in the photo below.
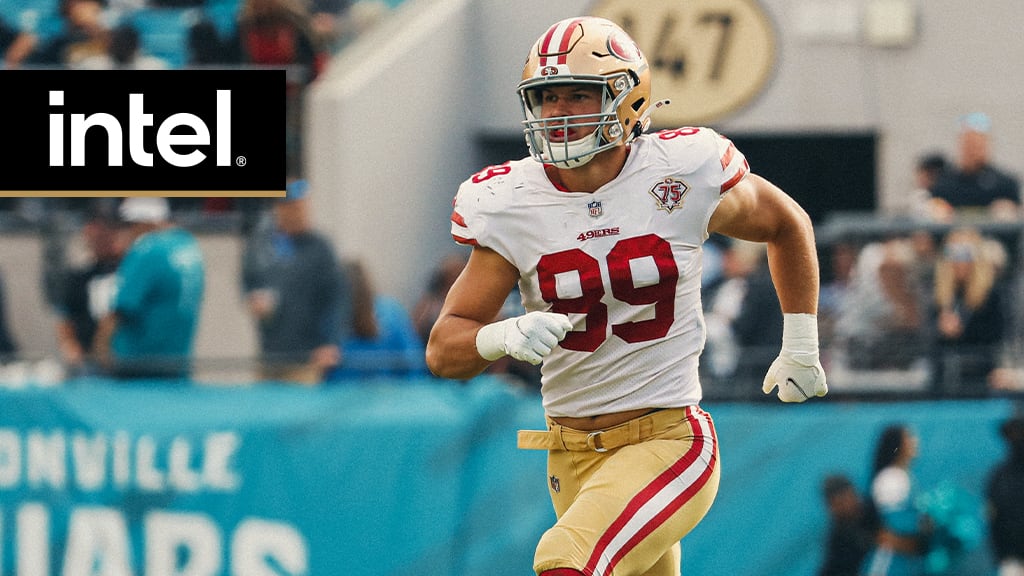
(602, 230)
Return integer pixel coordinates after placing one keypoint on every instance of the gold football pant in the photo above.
(626, 496)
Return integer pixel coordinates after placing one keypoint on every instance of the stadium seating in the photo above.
(164, 32)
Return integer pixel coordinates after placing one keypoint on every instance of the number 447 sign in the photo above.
(710, 57)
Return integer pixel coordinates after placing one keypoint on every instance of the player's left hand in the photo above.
(797, 372)
(798, 377)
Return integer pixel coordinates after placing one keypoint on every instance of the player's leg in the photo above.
(630, 506)
(669, 563)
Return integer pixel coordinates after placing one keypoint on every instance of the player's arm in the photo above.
(757, 210)
(465, 338)
(474, 300)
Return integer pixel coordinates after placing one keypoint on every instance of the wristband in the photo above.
(800, 333)
(490, 340)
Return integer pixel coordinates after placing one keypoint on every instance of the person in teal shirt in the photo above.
(903, 536)
(150, 331)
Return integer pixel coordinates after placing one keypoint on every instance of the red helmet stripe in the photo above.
(566, 38)
(544, 49)
(563, 31)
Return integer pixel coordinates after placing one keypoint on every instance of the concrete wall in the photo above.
(390, 137)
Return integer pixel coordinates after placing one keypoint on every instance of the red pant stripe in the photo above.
(659, 500)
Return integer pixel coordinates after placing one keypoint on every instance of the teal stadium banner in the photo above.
(405, 477)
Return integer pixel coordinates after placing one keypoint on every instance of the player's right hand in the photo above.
(798, 377)
(529, 337)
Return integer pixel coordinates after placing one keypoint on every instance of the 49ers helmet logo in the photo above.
(623, 47)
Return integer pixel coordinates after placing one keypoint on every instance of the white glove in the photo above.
(797, 371)
(529, 337)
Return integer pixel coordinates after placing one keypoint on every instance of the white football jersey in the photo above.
(623, 262)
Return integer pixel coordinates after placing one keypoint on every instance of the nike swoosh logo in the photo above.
(797, 386)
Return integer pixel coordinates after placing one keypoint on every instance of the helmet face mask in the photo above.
(592, 52)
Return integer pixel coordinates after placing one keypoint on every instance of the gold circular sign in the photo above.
(709, 57)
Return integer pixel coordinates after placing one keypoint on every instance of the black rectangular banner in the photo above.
(143, 132)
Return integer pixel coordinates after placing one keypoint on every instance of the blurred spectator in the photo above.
(927, 170)
(1009, 379)
(428, 306)
(383, 341)
(298, 293)
(924, 251)
(206, 47)
(903, 534)
(970, 315)
(280, 33)
(150, 330)
(328, 22)
(119, 10)
(15, 45)
(758, 327)
(86, 294)
(851, 530)
(974, 185)
(1005, 504)
(835, 285)
(123, 53)
(880, 321)
(724, 300)
(84, 35)
(711, 263)
(176, 3)
(8, 347)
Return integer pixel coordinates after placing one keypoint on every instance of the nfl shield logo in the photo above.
(595, 208)
(555, 484)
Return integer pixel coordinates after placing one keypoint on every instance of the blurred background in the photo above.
(895, 123)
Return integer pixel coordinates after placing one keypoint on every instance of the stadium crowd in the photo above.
(925, 305)
(924, 308)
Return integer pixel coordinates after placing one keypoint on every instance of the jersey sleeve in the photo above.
(734, 163)
(708, 162)
(463, 217)
(478, 201)
(709, 158)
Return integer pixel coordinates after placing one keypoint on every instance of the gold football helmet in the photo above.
(593, 51)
